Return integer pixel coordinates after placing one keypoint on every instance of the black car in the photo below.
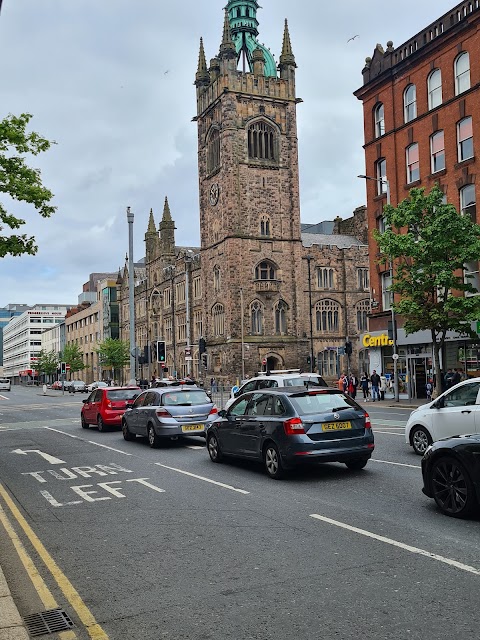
(451, 474)
(290, 426)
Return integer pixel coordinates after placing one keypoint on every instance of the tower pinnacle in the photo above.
(287, 56)
(227, 47)
(202, 76)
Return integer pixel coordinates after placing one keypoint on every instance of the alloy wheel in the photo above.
(452, 488)
(213, 449)
(272, 461)
(420, 441)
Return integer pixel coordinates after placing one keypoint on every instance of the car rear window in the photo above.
(185, 398)
(322, 402)
(122, 394)
(294, 382)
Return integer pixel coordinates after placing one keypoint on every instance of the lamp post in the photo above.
(309, 258)
(131, 299)
(384, 181)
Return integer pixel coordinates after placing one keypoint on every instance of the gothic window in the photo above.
(167, 298)
(218, 313)
(181, 327)
(180, 292)
(261, 142)
(265, 271)
(325, 279)
(265, 226)
(379, 116)
(327, 313)
(168, 330)
(197, 287)
(256, 311)
(216, 278)
(281, 317)
(198, 324)
(213, 150)
(363, 279)
(362, 309)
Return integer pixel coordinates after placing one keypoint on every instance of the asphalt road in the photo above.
(135, 543)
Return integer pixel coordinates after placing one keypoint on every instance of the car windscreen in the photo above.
(310, 403)
(122, 394)
(185, 398)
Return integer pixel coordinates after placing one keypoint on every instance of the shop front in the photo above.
(380, 349)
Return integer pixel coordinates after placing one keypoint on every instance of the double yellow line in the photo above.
(94, 630)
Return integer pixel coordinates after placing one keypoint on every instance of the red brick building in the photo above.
(422, 126)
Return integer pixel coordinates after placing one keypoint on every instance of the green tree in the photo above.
(114, 354)
(73, 356)
(20, 182)
(47, 362)
(430, 245)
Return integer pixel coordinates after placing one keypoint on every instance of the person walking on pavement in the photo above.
(352, 385)
(375, 380)
(383, 386)
(456, 378)
(364, 384)
(341, 382)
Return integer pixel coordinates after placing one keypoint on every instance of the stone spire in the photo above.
(228, 50)
(202, 77)
(167, 216)
(287, 57)
(151, 223)
(151, 238)
(167, 235)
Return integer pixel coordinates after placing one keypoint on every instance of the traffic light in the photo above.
(161, 351)
(390, 330)
(348, 348)
(309, 360)
(204, 359)
(63, 368)
(202, 347)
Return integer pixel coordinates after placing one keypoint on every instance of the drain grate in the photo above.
(39, 624)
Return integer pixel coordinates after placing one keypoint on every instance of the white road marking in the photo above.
(4, 397)
(400, 545)
(390, 433)
(220, 484)
(194, 446)
(70, 435)
(46, 456)
(89, 441)
(398, 464)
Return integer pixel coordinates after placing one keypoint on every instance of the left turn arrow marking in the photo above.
(46, 456)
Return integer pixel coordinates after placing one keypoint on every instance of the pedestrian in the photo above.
(383, 386)
(364, 383)
(352, 386)
(456, 378)
(341, 382)
(448, 378)
(429, 389)
(375, 380)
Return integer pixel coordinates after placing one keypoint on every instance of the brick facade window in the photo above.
(437, 151)
(325, 278)
(468, 202)
(256, 315)
(381, 176)
(410, 103)
(213, 150)
(265, 226)
(218, 313)
(413, 163)
(465, 139)
(434, 84)
(265, 271)
(261, 141)
(281, 317)
(327, 314)
(462, 73)
(379, 119)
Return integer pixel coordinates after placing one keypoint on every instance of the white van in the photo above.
(5, 384)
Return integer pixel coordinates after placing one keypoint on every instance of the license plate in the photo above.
(193, 427)
(336, 426)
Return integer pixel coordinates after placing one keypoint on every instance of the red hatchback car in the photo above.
(105, 407)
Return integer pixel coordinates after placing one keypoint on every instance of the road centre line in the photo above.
(400, 545)
(397, 464)
(94, 630)
(98, 444)
(220, 484)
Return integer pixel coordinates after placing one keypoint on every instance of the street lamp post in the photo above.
(385, 181)
(131, 299)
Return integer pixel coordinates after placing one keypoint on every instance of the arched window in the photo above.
(281, 317)
(216, 278)
(218, 313)
(327, 313)
(410, 103)
(265, 226)
(213, 150)
(256, 314)
(265, 271)
(462, 73)
(362, 308)
(261, 142)
(434, 83)
(379, 117)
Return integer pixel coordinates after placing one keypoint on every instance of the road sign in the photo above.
(188, 352)
(264, 361)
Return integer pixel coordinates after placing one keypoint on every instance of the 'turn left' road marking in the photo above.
(400, 545)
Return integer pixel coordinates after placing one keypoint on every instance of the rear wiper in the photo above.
(184, 404)
(340, 408)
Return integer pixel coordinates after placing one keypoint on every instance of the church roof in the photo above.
(332, 239)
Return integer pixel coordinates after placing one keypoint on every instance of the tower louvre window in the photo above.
(265, 226)
(213, 150)
(261, 142)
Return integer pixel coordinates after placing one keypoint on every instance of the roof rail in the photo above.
(277, 371)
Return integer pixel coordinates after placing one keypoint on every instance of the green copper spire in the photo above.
(242, 16)
(202, 76)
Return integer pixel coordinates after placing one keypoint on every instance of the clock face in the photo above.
(214, 193)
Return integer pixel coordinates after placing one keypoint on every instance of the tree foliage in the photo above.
(114, 353)
(20, 182)
(47, 362)
(430, 244)
(73, 356)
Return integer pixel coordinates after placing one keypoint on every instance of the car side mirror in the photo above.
(129, 403)
(222, 413)
(85, 401)
(438, 404)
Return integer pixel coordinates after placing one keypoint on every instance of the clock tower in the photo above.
(249, 198)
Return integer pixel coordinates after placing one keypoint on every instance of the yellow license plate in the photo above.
(193, 427)
(336, 426)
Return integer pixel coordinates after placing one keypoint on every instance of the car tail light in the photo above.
(162, 413)
(368, 424)
(109, 405)
(293, 426)
(213, 410)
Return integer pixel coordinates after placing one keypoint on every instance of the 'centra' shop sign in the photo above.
(377, 341)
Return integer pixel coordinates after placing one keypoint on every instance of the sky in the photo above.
(111, 82)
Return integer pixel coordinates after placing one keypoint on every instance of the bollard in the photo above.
(44, 389)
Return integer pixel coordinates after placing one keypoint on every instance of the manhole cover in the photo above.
(39, 624)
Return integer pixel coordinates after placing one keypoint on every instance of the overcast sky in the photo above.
(111, 82)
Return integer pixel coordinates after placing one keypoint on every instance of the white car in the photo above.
(456, 412)
(96, 385)
(5, 384)
(277, 378)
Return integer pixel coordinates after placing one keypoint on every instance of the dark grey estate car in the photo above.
(286, 427)
(167, 413)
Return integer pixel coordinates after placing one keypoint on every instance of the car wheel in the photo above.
(356, 465)
(153, 439)
(214, 449)
(127, 435)
(100, 424)
(84, 424)
(272, 461)
(452, 487)
(420, 439)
